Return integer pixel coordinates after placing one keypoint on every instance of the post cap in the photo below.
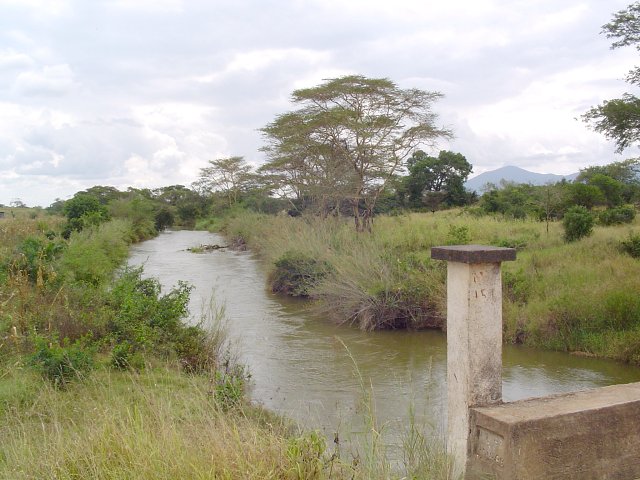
(473, 254)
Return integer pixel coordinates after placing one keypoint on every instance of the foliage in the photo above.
(577, 223)
(93, 254)
(139, 210)
(187, 213)
(619, 119)
(617, 216)
(347, 140)
(61, 363)
(163, 219)
(585, 195)
(296, 274)
(517, 201)
(84, 209)
(124, 357)
(34, 257)
(231, 176)
(306, 454)
(229, 386)
(626, 172)
(444, 174)
(611, 189)
(631, 245)
(458, 235)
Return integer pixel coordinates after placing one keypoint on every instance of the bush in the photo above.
(617, 216)
(296, 274)
(34, 256)
(458, 235)
(631, 245)
(94, 253)
(61, 363)
(144, 319)
(577, 223)
(163, 219)
(124, 357)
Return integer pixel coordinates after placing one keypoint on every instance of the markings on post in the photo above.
(483, 293)
(490, 446)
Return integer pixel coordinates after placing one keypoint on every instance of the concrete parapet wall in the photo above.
(586, 435)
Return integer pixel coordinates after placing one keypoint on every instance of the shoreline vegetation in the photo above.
(579, 297)
(102, 376)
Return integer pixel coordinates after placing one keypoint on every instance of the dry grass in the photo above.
(163, 424)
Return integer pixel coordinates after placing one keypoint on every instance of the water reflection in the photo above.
(317, 372)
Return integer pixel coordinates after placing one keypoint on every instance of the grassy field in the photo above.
(582, 296)
(101, 379)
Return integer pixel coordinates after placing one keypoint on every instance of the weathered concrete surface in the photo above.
(474, 347)
(474, 337)
(585, 435)
(473, 254)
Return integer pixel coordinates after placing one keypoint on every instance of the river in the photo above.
(318, 373)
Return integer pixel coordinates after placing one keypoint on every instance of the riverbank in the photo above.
(578, 297)
(101, 378)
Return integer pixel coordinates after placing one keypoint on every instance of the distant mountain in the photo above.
(514, 174)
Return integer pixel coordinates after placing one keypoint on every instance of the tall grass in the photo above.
(121, 425)
(581, 296)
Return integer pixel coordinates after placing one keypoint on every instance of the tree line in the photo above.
(357, 146)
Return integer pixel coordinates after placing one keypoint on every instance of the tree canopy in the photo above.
(347, 139)
(619, 119)
(227, 175)
(433, 178)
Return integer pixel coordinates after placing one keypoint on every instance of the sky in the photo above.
(143, 93)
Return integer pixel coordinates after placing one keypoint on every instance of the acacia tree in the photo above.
(348, 138)
(619, 119)
(227, 175)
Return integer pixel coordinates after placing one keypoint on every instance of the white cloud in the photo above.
(39, 8)
(155, 6)
(132, 92)
(49, 80)
(10, 59)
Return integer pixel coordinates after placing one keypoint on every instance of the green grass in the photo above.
(99, 378)
(163, 424)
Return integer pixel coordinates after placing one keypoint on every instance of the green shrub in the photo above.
(34, 256)
(124, 357)
(517, 243)
(163, 218)
(296, 274)
(631, 245)
(229, 384)
(194, 349)
(144, 319)
(617, 216)
(577, 223)
(61, 363)
(307, 455)
(458, 235)
(94, 253)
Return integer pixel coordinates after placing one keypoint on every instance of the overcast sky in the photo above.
(144, 92)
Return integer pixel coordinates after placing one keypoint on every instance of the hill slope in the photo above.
(514, 174)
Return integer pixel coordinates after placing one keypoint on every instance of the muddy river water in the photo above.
(318, 373)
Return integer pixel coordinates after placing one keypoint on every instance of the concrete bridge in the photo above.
(586, 435)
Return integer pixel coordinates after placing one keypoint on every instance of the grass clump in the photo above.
(296, 274)
(631, 245)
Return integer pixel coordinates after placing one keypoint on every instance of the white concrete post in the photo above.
(474, 337)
